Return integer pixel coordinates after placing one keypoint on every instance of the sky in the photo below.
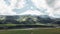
(33, 7)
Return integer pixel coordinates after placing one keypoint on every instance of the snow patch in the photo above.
(31, 12)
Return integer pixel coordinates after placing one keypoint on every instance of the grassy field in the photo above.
(36, 31)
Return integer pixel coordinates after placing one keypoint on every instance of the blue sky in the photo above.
(7, 2)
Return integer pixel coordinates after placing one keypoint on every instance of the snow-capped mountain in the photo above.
(31, 12)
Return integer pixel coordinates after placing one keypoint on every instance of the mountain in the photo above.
(31, 12)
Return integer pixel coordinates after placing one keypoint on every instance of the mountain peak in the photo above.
(31, 12)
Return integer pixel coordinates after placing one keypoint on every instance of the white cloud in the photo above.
(20, 4)
(40, 3)
(7, 10)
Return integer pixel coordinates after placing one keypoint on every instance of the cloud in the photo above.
(51, 11)
(6, 10)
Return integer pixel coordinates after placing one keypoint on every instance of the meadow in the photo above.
(34, 31)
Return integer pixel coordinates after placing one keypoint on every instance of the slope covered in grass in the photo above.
(37, 31)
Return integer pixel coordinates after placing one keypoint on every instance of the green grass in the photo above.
(8, 24)
(24, 24)
(39, 31)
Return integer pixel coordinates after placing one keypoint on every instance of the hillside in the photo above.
(27, 19)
